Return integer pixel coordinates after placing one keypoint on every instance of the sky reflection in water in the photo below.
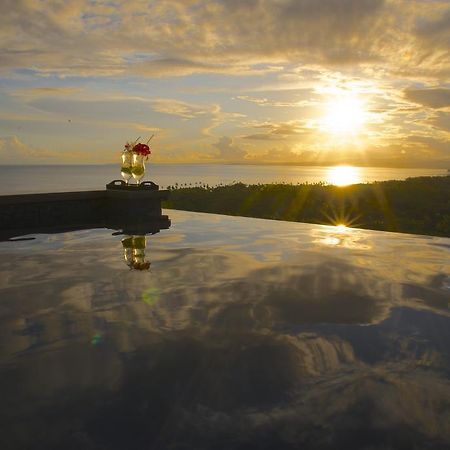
(244, 333)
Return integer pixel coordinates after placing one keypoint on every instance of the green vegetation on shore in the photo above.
(416, 205)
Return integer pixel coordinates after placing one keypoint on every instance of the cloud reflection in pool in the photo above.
(219, 345)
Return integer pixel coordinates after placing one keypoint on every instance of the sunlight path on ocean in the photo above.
(344, 175)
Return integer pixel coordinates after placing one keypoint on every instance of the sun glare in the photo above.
(343, 175)
(344, 115)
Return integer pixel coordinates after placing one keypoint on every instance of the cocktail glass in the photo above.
(125, 169)
(138, 167)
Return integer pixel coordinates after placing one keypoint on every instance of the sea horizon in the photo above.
(240, 163)
(23, 179)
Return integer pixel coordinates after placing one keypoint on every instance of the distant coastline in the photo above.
(416, 205)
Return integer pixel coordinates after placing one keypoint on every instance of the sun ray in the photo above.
(342, 218)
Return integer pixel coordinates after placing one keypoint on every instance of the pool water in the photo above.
(240, 333)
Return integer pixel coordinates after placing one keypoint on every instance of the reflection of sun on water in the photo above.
(344, 175)
(342, 236)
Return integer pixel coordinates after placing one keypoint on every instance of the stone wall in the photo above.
(45, 213)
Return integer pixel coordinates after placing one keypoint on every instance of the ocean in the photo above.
(52, 178)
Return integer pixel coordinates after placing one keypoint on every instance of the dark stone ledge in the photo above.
(129, 208)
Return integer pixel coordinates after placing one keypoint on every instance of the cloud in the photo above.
(212, 114)
(179, 108)
(181, 67)
(432, 98)
(13, 151)
(277, 131)
(431, 146)
(408, 151)
(435, 29)
(266, 102)
(258, 101)
(228, 151)
(280, 155)
(48, 91)
(263, 137)
(107, 109)
(441, 121)
(177, 37)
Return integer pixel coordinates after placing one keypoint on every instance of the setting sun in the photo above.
(344, 115)
(343, 175)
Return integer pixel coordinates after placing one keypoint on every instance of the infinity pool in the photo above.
(237, 333)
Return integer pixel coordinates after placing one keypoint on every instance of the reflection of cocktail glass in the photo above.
(139, 261)
(138, 167)
(127, 244)
(125, 170)
(134, 252)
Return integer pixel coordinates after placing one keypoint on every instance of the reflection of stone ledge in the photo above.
(138, 209)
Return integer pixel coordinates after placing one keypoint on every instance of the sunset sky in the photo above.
(322, 82)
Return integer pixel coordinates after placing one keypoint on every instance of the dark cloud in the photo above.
(435, 147)
(329, 30)
(441, 121)
(433, 98)
(436, 30)
(184, 37)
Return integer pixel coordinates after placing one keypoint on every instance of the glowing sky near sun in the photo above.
(349, 82)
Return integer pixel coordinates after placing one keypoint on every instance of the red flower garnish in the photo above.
(142, 149)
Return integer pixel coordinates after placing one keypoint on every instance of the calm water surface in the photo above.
(243, 334)
(33, 179)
